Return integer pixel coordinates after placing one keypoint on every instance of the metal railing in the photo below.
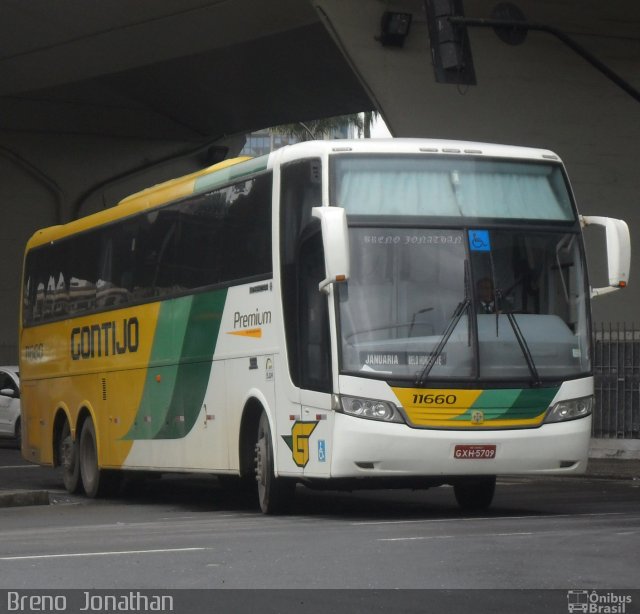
(616, 365)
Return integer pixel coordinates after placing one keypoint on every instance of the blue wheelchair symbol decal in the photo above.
(322, 451)
(479, 241)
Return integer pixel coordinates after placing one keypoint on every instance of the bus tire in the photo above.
(275, 495)
(95, 481)
(475, 494)
(68, 459)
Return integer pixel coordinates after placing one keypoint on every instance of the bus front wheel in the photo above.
(68, 458)
(95, 481)
(475, 494)
(274, 494)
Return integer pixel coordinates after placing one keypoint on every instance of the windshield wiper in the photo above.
(453, 322)
(522, 342)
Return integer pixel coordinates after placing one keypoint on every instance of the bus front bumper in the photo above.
(368, 448)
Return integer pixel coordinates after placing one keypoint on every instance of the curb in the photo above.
(613, 468)
(20, 498)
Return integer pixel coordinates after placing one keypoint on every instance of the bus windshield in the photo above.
(451, 187)
(426, 304)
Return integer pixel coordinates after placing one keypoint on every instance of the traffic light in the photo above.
(450, 48)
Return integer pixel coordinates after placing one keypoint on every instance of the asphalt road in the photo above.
(550, 533)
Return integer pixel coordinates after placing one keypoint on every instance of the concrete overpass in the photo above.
(100, 99)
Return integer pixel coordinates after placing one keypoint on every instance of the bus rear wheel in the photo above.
(275, 495)
(68, 459)
(475, 494)
(95, 481)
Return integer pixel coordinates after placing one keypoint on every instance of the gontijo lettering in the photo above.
(105, 339)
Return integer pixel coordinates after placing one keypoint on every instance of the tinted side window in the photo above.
(247, 229)
(300, 191)
(154, 253)
(225, 235)
(211, 238)
(115, 283)
(82, 271)
(46, 284)
(200, 235)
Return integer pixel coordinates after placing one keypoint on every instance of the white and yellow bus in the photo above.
(342, 314)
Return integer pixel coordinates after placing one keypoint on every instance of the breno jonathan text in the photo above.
(86, 601)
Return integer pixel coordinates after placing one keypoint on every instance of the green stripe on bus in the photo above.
(229, 174)
(511, 404)
(180, 366)
(194, 370)
(530, 403)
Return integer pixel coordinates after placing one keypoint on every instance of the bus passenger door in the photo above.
(315, 358)
(304, 418)
(317, 447)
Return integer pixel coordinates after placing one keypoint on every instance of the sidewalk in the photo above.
(615, 458)
(20, 498)
(614, 468)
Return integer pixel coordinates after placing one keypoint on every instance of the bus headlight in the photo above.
(370, 408)
(570, 409)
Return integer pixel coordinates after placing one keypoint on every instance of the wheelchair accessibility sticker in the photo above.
(322, 451)
(479, 241)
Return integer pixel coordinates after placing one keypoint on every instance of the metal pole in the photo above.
(567, 40)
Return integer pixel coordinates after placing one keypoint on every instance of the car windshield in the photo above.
(425, 304)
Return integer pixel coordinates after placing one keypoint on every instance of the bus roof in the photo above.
(228, 170)
(414, 146)
(162, 193)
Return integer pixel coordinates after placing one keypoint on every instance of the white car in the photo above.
(10, 425)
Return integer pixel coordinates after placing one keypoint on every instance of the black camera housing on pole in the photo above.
(450, 48)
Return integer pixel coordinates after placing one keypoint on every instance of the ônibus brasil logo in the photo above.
(594, 602)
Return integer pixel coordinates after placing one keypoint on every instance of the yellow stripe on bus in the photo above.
(250, 332)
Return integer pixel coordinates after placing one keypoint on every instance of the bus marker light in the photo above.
(158, 378)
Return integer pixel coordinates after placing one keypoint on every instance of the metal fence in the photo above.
(617, 382)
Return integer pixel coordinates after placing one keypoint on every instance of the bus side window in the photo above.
(313, 317)
(247, 229)
(300, 191)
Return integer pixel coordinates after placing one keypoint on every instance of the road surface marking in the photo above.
(467, 519)
(117, 553)
(404, 539)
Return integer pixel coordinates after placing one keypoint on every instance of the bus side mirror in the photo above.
(335, 240)
(618, 251)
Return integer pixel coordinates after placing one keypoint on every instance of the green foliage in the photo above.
(321, 128)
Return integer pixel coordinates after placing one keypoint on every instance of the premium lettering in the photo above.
(105, 339)
(250, 320)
